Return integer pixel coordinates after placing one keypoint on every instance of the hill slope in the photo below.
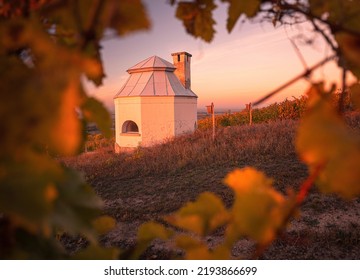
(150, 183)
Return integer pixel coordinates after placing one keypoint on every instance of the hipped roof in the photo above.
(152, 63)
(153, 76)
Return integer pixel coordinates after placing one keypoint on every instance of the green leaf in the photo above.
(258, 208)
(197, 18)
(203, 216)
(323, 139)
(94, 111)
(238, 8)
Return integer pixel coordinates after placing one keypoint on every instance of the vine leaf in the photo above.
(350, 49)
(66, 131)
(148, 232)
(27, 191)
(343, 12)
(197, 18)
(125, 16)
(203, 216)
(104, 224)
(77, 205)
(324, 139)
(198, 250)
(238, 8)
(257, 210)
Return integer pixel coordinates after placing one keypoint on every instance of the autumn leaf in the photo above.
(196, 249)
(202, 216)
(237, 8)
(28, 192)
(323, 139)
(257, 210)
(104, 224)
(66, 131)
(147, 233)
(350, 49)
(197, 18)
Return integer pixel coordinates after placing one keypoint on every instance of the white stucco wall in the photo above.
(185, 114)
(159, 118)
(128, 108)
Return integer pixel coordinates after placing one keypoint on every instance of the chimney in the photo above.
(181, 61)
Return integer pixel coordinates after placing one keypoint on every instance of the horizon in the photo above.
(231, 71)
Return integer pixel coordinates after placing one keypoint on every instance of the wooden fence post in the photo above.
(250, 114)
(249, 109)
(210, 110)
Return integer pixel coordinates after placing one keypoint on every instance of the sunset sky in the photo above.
(232, 70)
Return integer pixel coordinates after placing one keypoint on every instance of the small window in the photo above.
(178, 57)
(130, 127)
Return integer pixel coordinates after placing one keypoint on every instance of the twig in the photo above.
(304, 74)
(299, 199)
(326, 37)
(306, 186)
(306, 12)
(341, 105)
(299, 54)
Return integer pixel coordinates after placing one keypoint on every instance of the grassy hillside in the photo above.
(152, 182)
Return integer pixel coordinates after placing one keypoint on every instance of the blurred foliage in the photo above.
(47, 46)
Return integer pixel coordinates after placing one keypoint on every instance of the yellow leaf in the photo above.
(323, 139)
(146, 234)
(202, 216)
(151, 230)
(104, 224)
(66, 132)
(257, 210)
(198, 250)
(242, 180)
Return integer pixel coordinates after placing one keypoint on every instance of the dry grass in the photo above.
(235, 145)
(152, 182)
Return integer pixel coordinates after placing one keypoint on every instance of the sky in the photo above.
(232, 70)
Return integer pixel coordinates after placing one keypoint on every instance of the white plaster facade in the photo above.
(154, 105)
